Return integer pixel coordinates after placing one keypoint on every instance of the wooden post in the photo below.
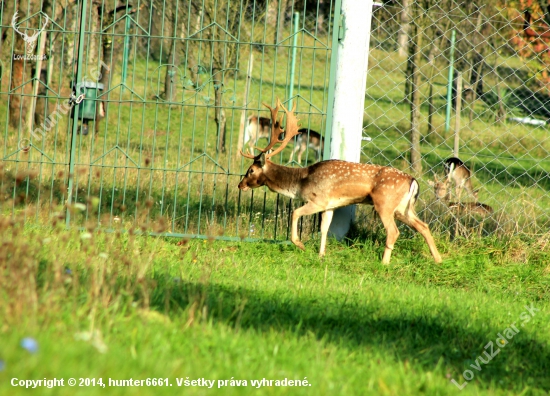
(458, 102)
(40, 54)
(245, 102)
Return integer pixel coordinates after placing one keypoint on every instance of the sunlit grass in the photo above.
(125, 305)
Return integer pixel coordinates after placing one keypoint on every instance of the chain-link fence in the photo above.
(134, 111)
(459, 79)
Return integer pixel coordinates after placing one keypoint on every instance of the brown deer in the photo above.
(328, 185)
(256, 128)
(259, 128)
(471, 208)
(308, 138)
(441, 191)
(457, 171)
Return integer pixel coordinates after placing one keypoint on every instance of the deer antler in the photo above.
(14, 21)
(276, 129)
(246, 155)
(291, 130)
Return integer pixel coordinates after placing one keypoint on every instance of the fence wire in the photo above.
(456, 79)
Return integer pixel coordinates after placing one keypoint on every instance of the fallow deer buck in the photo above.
(328, 185)
(457, 171)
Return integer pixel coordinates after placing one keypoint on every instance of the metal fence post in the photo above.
(296, 22)
(349, 94)
(450, 83)
(78, 78)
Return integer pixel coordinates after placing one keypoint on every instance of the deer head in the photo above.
(30, 41)
(255, 176)
(441, 188)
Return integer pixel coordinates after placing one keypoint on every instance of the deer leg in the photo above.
(458, 193)
(302, 149)
(459, 187)
(392, 233)
(413, 221)
(296, 148)
(325, 224)
(307, 209)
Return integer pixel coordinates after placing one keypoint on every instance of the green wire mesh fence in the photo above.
(135, 111)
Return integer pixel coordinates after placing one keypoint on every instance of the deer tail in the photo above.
(451, 170)
(414, 191)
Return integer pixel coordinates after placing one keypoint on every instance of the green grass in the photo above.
(248, 311)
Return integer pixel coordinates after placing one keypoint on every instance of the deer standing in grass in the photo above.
(328, 185)
(256, 128)
(441, 191)
(457, 171)
(308, 138)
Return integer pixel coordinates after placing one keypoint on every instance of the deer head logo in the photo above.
(30, 41)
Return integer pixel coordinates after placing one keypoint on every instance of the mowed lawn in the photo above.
(120, 307)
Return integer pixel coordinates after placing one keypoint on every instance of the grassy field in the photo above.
(119, 306)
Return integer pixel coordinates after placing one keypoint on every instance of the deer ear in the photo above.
(262, 159)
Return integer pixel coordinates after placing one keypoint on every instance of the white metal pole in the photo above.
(349, 95)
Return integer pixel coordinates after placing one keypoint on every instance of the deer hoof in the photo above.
(299, 244)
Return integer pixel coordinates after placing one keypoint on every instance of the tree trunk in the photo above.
(220, 113)
(431, 107)
(415, 46)
(245, 101)
(171, 78)
(405, 28)
(41, 110)
(271, 13)
(105, 67)
(324, 6)
(477, 62)
(18, 105)
(71, 17)
(276, 18)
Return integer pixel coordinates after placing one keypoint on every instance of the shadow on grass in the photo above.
(120, 198)
(349, 323)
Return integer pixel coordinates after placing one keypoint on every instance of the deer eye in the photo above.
(251, 171)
